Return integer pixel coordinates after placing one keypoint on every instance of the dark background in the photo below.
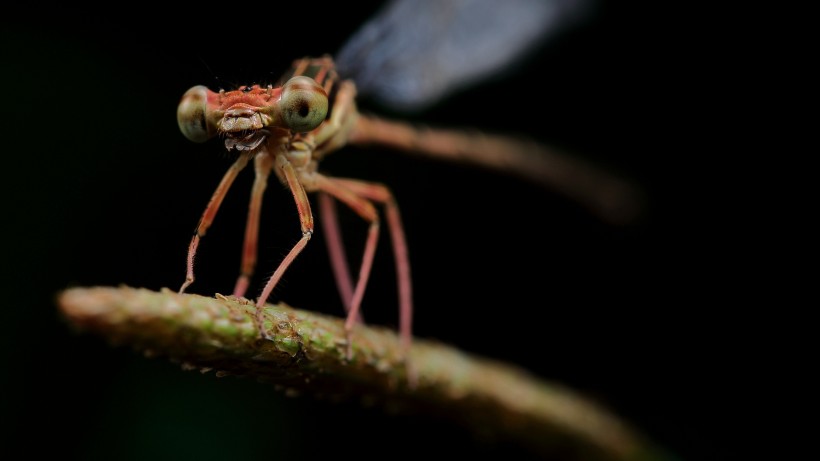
(100, 188)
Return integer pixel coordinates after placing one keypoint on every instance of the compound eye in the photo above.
(303, 104)
(191, 114)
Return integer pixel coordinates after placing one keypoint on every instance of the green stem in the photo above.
(308, 353)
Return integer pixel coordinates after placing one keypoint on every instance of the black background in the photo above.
(101, 189)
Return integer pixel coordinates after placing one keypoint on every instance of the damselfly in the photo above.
(287, 128)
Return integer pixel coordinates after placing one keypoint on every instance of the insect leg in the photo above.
(335, 248)
(306, 220)
(367, 211)
(209, 214)
(381, 194)
(262, 166)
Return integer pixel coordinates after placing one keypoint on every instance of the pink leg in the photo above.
(209, 214)
(365, 209)
(382, 194)
(306, 219)
(335, 248)
(263, 164)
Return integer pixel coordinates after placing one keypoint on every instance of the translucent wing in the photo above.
(414, 52)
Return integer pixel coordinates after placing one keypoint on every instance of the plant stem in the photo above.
(308, 353)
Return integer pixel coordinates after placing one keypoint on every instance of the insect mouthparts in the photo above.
(246, 140)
